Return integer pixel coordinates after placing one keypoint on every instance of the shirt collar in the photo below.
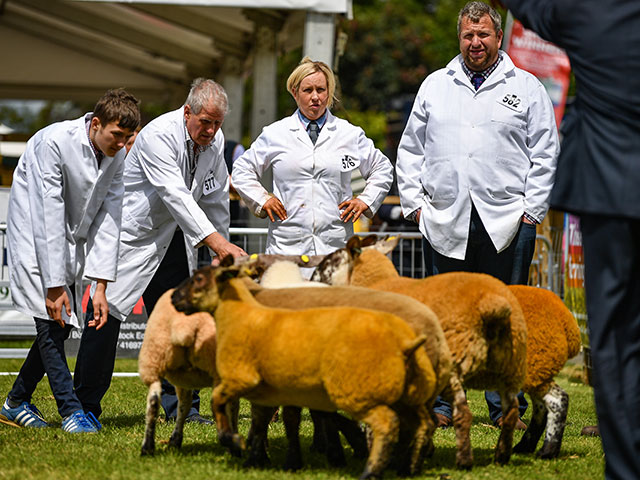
(87, 122)
(320, 121)
(486, 72)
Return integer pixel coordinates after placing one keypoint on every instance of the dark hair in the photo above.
(474, 11)
(118, 105)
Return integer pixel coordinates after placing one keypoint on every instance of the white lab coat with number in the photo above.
(157, 201)
(63, 219)
(495, 147)
(311, 181)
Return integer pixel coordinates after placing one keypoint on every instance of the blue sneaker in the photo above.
(78, 422)
(92, 418)
(25, 415)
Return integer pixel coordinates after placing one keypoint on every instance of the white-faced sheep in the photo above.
(180, 348)
(482, 322)
(360, 361)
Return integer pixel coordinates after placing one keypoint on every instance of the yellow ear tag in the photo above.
(391, 238)
(253, 256)
(304, 258)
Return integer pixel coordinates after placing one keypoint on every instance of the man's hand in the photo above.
(57, 298)
(100, 306)
(222, 247)
(274, 206)
(352, 209)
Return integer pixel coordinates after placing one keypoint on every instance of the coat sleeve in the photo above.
(411, 156)
(47, 207)
(536, 15)
(377, 171)
(158, 157)
(543, 144)
(247, 172)
(104, 234)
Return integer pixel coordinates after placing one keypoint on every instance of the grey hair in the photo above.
(474, 11)
(205, 91)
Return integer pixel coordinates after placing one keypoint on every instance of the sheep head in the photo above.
(335, 268)
(202, 291)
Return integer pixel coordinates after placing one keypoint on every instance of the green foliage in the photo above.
(373, 123)
(114, 453)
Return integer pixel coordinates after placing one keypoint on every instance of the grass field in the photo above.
(114, 453)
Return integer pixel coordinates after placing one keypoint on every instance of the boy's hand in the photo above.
(100, 306)
(57, 298)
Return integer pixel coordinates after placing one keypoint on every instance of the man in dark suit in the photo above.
(598, 178)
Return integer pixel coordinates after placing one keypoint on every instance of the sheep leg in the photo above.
(510, 416)
(185, 397)
(536, 426)
(291, 421)
(426, 426)
(557, 404)
(385, 427)
(462, 418)
(224, 393)
(335, 452)
(319, 443)
(153, 402)
(257, 438)
(354, 435)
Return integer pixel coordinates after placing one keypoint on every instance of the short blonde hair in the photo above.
(308, 67)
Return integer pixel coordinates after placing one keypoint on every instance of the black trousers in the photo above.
(97, 352)
(612, 282)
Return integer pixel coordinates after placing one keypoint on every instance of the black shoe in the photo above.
(197, 418)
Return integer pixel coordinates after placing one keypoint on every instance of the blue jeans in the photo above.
(511, 266)
(46, 355)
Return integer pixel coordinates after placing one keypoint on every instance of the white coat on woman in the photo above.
(311, 181)
(157, 201)
(495, 147)
(64, 217)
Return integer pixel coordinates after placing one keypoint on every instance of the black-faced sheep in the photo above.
(482, 322)
(419, 317)
(360, 361)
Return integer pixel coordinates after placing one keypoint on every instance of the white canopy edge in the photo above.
(322, 6)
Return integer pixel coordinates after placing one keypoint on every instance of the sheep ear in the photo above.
(386, 245)
(369, 240)
(227, 261)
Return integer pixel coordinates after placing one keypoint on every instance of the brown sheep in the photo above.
(482, 322)
(421, 319)
(360, 361)
(553, 337)
(180, 348)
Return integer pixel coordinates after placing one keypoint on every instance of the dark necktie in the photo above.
(313, 131)
(477, 80)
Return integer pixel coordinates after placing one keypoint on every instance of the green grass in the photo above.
(114, 453)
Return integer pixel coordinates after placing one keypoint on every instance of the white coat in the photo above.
(63, 218)
(495, 147)
(311, 181)
(157, 201)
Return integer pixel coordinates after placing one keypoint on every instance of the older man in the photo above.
(176, 199)
(476, 161)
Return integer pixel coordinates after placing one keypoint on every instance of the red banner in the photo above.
(543, 59)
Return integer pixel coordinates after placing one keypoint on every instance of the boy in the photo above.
(64, 224)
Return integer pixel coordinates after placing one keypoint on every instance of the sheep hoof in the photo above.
(147, 452)
(367, 474)
(148, 447)
(233, 442)
(175, 441)
(292, 465)
(548, 452)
